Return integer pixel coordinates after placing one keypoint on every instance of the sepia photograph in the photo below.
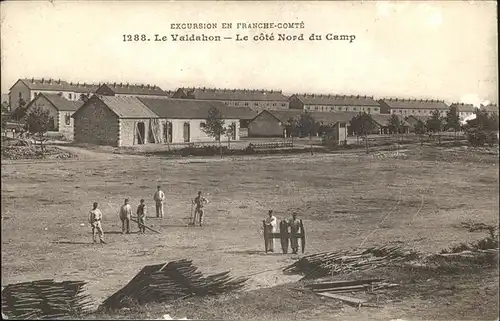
(249, 160)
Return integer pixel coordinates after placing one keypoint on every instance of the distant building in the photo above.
(334, 103)
(127, 121)
(464, 110)
(413, 120)
(417, 107)
(255, 99)
(273, 123)
(128, 90)
(25, 90)
(60, 109)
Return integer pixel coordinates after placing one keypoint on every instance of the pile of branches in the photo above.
(346, 261)
(171, 281)
(45, 299)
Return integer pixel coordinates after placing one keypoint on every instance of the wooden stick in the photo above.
(149, 228)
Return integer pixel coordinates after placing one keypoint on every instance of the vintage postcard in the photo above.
(259, 160)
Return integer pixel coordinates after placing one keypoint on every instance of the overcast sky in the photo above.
(435, 49)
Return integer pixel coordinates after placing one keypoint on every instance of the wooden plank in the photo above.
(332, 284)
(353, 301)
(344, 288)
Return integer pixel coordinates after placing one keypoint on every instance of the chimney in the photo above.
(50, 80)
(42, 80)
(59, 81)
(32, 80)
(114, 84)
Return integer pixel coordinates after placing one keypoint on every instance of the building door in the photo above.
(141, 133)
(167, 131)
(186, 133)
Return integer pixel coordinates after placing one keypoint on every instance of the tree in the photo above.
(435, 123)
(38, 122)
(420, 130)
(307, 126)
(20, 111)
(363, 125)
(482, 129)
(394, 124)
(214, 126)
(84, 97)
(452, 120)
(291, 127)
(231, 129)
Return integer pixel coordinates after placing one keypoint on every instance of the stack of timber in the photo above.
(346, 261)
(45, 299)
(170, 281)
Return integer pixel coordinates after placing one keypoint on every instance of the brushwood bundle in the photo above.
(45, 299)
(171, 281)
(346, 261)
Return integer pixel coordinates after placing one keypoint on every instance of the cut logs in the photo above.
(170, 281)
(45, 299)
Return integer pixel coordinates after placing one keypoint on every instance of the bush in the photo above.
(478, 137)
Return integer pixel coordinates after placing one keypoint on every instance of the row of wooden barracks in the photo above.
(120, 114)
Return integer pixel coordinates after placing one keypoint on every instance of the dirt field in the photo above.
(341, 198)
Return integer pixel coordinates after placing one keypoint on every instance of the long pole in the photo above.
(145, 226)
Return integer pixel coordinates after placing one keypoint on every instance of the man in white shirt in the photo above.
(95, 218)
(125, 216)
(271, 224)
(159, 197)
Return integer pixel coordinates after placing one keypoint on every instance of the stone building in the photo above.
(334, 103)
(257, 100)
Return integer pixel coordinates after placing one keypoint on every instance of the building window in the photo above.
(236, 103)
(67, 119)
(274, 105)
(256, 104)
(375, 109)
(70, 96)
(225, 102)
(246, 104)
(369, 109)
(354, 108)
(20, 95)
(283, 105)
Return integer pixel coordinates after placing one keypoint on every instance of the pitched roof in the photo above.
(461, 107)
(324, 117)
(417, 117)
(383, 119)
(126, 107)
(233, 94)
(399, 103)
(61, 103)
(131, 89)
(336, 100)
(57, 85)
(194, 109)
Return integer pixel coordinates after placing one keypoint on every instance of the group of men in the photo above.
(272, 224)
(95, 215)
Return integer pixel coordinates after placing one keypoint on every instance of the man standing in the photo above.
(141, 217)
(125, 216)
(271, 223)
(294, 224)
(95, 218)
(200, 201)
(159, 197)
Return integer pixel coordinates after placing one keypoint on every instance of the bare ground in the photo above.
(341, 198)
